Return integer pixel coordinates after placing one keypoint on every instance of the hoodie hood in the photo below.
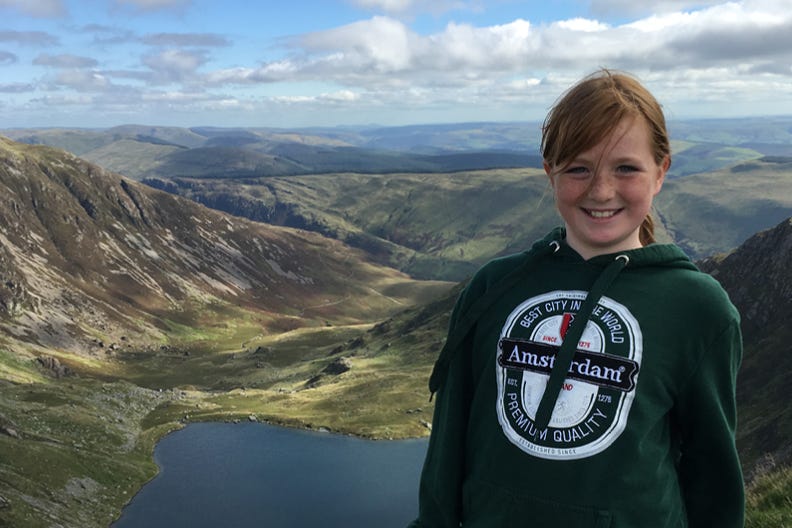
(554, 246)
(662, 255)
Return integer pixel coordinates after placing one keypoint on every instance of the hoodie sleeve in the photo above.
(440, 494)
(709, 468)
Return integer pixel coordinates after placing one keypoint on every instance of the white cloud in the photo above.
(186, 39)
(65, 100)
(732, 52)
(64, 61)
(12, 88)
(379, 45)
(153, 5)
(411, 7)
(29, 38)
(82, 80)
(342, 96)
(7, 58)
(390, 6)
(174, 65)
(633, 7)
(36, 8)
(583, 25)
(367, 51)
(383, 61)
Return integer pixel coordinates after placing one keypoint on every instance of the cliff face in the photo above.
(758, 277)
(85, 252)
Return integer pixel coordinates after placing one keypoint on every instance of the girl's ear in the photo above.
(664, 166)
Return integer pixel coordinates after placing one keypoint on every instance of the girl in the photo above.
(590, 381)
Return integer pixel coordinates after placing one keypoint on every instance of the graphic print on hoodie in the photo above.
(593, 406)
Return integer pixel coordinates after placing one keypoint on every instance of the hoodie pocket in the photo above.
(489, 506)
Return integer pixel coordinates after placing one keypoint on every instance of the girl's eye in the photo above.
(626, 169)
(577, 171)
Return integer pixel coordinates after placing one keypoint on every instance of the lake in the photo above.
(256, 475)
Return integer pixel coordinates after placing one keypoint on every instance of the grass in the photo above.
(769, 500)
(77, 457)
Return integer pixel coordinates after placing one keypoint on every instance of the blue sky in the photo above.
(281, 63)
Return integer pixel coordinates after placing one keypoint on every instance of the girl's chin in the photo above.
(601, 241)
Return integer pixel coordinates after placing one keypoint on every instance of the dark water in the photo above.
(255, 475)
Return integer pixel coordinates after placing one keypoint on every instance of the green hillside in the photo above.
(696, 158)
(429, 225)
(132, 157)
(714, 212)
(445, 225)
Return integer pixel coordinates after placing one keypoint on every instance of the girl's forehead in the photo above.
(629, 133)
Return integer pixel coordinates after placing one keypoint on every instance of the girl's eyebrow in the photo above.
(628, 159)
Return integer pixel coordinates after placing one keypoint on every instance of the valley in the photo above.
(314, 300)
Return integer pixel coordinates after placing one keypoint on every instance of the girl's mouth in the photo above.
(598, 213)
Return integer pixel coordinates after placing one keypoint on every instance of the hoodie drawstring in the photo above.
(466, 322)
(569, 346)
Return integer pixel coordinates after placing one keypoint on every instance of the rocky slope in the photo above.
(758, 277)
(87, 256)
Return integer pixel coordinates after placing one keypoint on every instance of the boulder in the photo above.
(339, 366)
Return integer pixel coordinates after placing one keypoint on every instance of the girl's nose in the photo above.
(602, 186)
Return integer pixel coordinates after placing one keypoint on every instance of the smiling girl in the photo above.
(590, 381)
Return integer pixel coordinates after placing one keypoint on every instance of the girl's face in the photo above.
(604, 193)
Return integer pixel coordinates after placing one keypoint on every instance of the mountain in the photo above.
(83, 249)
(758, 278)
(699, 146)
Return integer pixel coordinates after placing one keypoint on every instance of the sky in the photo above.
(301, 63)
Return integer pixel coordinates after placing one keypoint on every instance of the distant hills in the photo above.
(140, 151)
(729, 179)
(445, 225)
(714, 212)
(698, 146)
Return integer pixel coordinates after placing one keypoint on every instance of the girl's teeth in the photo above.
(602, 214)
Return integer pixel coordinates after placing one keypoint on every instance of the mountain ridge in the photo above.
(77, 235)
(758, 278)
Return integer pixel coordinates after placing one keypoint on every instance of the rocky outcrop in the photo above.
(758, 278)
(338, 366)
(54, 366)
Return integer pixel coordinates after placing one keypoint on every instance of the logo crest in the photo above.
(595, 400)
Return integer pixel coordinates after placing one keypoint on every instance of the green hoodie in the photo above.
(639, 433)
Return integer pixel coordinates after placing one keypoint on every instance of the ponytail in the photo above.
(646, 231)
